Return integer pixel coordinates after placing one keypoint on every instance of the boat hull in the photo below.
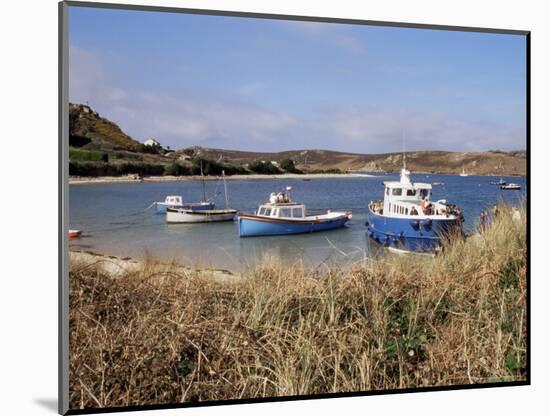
(74, 233)
(254, 226)
(422, 235)
(160, 207)
(183, 216)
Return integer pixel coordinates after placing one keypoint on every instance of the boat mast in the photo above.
(403, 149)
(225, 190)
(203, 185)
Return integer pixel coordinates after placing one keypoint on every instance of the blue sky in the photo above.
(270, 85)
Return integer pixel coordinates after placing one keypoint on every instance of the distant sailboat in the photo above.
(511, 186)
(463, 173)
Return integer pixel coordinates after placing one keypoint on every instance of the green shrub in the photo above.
(175, 169)
(288, 166)
(141, 169)
(92, 169)
(333, 170)
(212, 167)
(154, 149)
(87, 155)
(209, 167)
(264, 168)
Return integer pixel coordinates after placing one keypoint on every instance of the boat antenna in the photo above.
(403, 147)
(225, 189)
(203, 185)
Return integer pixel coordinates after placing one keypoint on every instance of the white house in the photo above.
(151, 142)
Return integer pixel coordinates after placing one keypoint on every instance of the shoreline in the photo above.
(81, 180)
(118, 266)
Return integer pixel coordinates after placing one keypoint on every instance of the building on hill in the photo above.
(152, 143)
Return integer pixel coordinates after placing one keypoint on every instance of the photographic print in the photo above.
(266, 207)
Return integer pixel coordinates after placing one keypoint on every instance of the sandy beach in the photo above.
(118, 266)
(78, 180)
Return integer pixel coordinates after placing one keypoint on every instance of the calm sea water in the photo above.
(114, 218)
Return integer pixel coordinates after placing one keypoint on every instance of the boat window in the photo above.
(411, 192)
(396, 191)
(406, 211)
(297, 212)
(387, 191)
(424, 193)
(284, 212)
(267, 212)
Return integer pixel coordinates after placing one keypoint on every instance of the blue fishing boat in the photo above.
(281, 216)
(406, 220)
(176, 201)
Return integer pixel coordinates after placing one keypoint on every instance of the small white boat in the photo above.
(511, 187)
(176, 201)
(188, 216)
(463, 173)
(185, 215)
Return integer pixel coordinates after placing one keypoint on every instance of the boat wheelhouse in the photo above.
(281, 216)
(176, 201)
(407, 220)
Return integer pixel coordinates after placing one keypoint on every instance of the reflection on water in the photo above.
(114, 218)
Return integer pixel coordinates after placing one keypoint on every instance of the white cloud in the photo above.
(177, 121)
(328, 33)
(383, 130)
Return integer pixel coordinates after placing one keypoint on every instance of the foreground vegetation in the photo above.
(89, 163)
(150, 337)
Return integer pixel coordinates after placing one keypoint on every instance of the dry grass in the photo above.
(150, 337)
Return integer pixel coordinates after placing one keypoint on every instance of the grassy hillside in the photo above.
(87, 129)
(480, 163)
(150, 337)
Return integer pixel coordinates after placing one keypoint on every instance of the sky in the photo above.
(272, 85)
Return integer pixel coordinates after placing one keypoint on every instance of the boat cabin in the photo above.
(405, 198)
(282, 210)
(281, 206)
(173, 200)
